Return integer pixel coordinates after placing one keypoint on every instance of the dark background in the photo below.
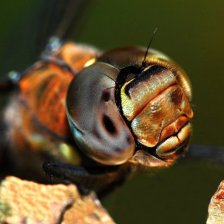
(191, 32)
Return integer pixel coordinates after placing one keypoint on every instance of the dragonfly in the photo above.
(94, 117)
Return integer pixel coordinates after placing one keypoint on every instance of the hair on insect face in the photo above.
(149, 45)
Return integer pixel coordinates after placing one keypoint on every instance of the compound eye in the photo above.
(97, 126)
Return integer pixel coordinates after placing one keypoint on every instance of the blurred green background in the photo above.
(190, 32)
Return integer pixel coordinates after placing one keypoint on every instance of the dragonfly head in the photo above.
(131, 113)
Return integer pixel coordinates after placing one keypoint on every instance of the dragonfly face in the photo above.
(89, 109)
(120, 111)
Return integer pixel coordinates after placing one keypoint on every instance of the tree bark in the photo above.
(24, 201)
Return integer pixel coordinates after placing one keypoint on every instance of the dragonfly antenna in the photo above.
(150, 42)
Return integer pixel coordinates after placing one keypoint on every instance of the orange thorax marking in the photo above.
(44, 89)
(44, 86)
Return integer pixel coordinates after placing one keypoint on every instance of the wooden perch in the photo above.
(28, 202)
(216, 206)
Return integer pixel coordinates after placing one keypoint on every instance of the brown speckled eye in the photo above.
(96, 123)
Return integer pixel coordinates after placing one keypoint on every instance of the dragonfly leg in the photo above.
(100, 179)
(206, 152)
